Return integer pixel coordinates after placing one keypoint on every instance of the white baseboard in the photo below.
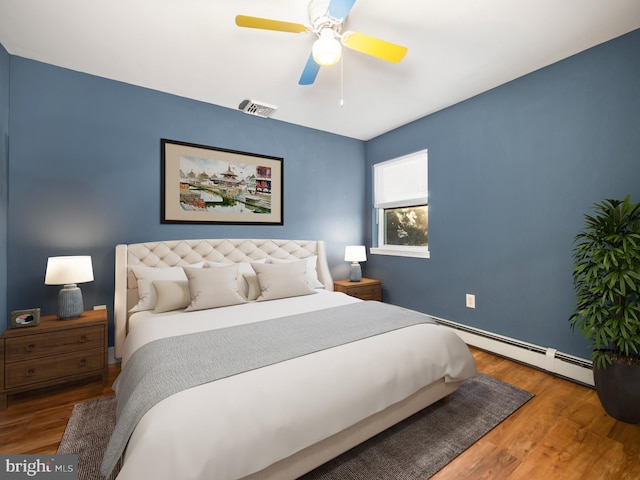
(549, 359)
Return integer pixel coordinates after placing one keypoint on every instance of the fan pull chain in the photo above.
(342, 81)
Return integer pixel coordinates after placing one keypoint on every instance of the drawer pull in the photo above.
(83, 339)
(31, 347)
(31, 372)
(83, 362)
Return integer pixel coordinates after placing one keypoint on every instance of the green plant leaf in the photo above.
(606, 277)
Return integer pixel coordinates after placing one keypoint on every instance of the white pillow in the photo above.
(282, 280)
(171, 295)
(312, 274)
(213, 287)
(247, 280)
(146, 275)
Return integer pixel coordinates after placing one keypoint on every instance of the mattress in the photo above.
(236, 426)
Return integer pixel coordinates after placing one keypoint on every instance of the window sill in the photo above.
(401, 252)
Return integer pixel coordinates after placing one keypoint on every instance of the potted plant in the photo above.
(606, 277)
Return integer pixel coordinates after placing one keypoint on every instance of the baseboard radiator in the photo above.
(549, 359)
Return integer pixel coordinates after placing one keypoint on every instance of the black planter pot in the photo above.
(618, 388)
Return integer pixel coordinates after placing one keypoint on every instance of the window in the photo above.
(400, 199)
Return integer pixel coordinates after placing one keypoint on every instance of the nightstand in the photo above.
(53, 352)
(365, 289)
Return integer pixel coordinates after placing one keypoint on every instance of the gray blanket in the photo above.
(167, 366)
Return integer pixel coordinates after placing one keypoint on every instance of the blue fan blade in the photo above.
(339, 9)
(310, 72)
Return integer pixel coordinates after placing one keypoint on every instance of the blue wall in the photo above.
(85, 176)
(5, 61)
(511, 173)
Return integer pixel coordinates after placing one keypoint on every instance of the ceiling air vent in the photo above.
(259, 109)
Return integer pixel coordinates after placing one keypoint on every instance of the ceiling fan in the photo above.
(326, 18)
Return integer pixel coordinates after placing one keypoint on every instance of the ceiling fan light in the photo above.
(326, 50)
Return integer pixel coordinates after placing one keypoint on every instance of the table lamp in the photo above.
(69, 271)
(355, 254)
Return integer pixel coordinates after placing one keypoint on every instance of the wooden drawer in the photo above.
(38, 370)
(366, 289)
(24, 348)
(53, 352)
(367, 293)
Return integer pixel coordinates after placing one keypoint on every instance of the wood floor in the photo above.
(562, 433)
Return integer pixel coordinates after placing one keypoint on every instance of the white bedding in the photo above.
(147, 326)
(239, 425)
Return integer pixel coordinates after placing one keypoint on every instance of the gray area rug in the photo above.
(414, 449)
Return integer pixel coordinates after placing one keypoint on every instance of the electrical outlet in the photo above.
(471, 300)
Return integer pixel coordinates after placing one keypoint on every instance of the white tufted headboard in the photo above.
(183, 252)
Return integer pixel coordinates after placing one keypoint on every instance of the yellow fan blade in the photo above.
(373, 46)
(268, 24)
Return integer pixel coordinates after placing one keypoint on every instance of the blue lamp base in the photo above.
(70, 304)
(356, 272)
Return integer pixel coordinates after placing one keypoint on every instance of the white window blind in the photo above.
(401, 182)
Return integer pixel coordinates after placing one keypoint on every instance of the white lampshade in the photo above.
(68, 270)
(326, 50)
(355, 253)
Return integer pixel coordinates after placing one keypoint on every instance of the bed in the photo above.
(282, 414)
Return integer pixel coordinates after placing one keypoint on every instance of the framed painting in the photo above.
(202, 184)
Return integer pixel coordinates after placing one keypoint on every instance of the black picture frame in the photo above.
(210, 185)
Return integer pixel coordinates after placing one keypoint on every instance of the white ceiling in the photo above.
(192, 48)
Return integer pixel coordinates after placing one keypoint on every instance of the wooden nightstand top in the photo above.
(364, 281)
(365, 289)
(52, 322)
